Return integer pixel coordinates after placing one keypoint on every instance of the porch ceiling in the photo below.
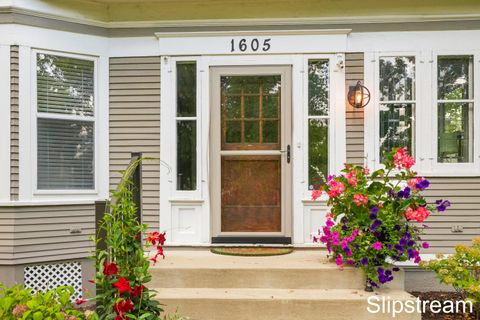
(141, 13)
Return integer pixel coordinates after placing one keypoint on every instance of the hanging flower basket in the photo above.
(376, 218)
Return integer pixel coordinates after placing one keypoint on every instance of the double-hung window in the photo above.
(65, 122)
(455, 109)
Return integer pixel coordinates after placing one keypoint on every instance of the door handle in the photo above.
(287, 152)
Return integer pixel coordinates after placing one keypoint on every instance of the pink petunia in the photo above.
(316, 194)
(402, 160)
(377, 246)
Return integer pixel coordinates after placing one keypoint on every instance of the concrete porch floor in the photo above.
(301, 285)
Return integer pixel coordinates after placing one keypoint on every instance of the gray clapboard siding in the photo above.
(14, 71)
(135, 125)
(42, 233)
(465, 211)
(354, 117)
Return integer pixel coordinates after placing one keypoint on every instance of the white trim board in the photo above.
(256, 43)
(5, 123)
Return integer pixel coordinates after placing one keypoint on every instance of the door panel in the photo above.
(249, 135)
(251, 194)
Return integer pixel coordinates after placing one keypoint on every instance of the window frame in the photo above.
(336, 114)
(426, 113)
(34, 127)
(372, 112)
(173, 127)
(454, 169)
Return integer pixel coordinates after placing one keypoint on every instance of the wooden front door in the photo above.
(251, 152)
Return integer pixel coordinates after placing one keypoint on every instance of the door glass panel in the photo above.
(254, 103)
(317, 152)
(318, 87)
(186, 89)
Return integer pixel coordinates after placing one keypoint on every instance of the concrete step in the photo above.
(298, 270)
(278, 304)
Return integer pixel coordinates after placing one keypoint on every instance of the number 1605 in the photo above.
(254, 45)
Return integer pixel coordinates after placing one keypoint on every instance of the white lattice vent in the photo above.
(43, 277)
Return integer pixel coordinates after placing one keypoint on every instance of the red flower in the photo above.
(122, 307)
(80, 301)
(123, 285)
(110, 269)
(137, 290)
(156, 237)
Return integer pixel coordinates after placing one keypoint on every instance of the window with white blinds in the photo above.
(65, 122)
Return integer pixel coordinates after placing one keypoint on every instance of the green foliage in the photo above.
(460, 270)
(124, 260)
(18, 302)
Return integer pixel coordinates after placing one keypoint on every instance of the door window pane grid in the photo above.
(250, 112)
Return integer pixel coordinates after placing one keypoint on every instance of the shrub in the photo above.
(374, 216)
(122, 269)
(460, 270)
(18, 302)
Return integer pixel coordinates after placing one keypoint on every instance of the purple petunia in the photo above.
(377, 223)
(397, 227)
(374, 210)
(405, 193)
(442, 205)
(373, 216)
(422, 184)
(364, 261)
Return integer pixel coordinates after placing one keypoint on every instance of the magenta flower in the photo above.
(425, 245)
(377, 246)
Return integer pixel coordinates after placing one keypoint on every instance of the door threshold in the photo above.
(251, 240)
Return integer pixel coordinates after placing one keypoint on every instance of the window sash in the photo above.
(70, 184)
(408, 81)
(186, 114)
(317, 173)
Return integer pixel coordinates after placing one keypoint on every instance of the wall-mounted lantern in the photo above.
(358, 96)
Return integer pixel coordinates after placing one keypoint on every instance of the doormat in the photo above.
(251, 251)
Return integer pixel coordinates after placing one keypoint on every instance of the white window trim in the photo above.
(425, 137)
(171, 99)
(336, 119)
(28, 130)
(455, 169)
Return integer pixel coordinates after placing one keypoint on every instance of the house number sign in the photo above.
(254, 45)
